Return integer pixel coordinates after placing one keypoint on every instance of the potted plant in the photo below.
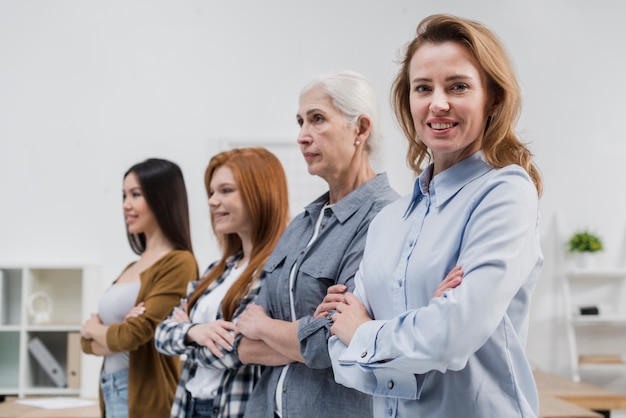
(584, 243)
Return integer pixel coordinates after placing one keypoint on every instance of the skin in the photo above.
(139, 219)
(333, 150)
(228, 212)
(450, 103)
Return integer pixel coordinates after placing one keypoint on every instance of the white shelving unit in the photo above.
(47, 303)
(597, 341)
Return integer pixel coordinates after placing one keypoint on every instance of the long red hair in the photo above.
(262, 183)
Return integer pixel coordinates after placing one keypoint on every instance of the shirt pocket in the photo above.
(325, 270)
(274, 261)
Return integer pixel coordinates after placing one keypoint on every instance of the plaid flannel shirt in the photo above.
(238, 379)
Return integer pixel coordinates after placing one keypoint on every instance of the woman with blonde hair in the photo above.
(248, 200)
(474, 206)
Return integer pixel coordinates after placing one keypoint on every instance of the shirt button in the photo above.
(390, 384)
(216, 410)
(284, 389)
(363, 354)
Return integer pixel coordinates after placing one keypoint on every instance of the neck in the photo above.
(157, 244)
(349, 182)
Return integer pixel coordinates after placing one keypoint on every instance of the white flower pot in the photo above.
(585, 260)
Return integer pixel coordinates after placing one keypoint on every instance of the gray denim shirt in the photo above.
(309, 389)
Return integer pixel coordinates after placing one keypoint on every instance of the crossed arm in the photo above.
(267, 341)
(274, 342)
(348, 313)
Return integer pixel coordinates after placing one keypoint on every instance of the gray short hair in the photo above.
(353, 95)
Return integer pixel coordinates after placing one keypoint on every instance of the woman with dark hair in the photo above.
(247, 190)
(157, 221)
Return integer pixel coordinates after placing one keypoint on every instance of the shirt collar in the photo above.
(446, 184)
(350, 203)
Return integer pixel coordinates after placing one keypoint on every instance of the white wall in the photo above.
(87, 88)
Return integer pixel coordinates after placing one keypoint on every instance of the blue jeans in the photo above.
(199, 408)
(115, 393)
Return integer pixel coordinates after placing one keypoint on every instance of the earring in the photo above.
(357, 143)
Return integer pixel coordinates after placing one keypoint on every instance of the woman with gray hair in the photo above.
(339, 132)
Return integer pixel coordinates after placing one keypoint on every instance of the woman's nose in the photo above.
(439, 102)
(304, 136)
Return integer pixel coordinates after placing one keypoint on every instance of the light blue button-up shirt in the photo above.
(463, 354)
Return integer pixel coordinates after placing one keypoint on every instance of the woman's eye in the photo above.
(300, 122)
(422, 88)
(318, 118)
(460, 87)
(136, 194)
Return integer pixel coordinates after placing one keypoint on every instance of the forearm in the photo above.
(282, 337)
(99, 349)
(258, 352)
(98, 333)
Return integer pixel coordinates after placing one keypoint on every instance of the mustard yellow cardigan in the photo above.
(152, 377)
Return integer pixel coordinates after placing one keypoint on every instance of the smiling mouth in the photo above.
(441, 126)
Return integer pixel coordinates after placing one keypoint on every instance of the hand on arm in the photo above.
(279, 336)
(348, 316)
(136, 311)
(180, 315)
(452, 280)
(216, 335)
(94, 329)
(334, 295)
(350, 313)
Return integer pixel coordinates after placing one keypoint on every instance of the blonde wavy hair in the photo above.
(500, 145)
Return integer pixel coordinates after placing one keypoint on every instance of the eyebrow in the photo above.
(308, 112)
(450, 78)
(224, 184)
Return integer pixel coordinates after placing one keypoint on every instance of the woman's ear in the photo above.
(495, 103)
(364, 128)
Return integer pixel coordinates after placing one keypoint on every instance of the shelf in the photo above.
(9, 328)
(53, 328)
(603, 368)
(596, 274)
(583, 320)
(47, 304)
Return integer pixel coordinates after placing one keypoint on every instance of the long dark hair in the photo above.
(163, 187)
